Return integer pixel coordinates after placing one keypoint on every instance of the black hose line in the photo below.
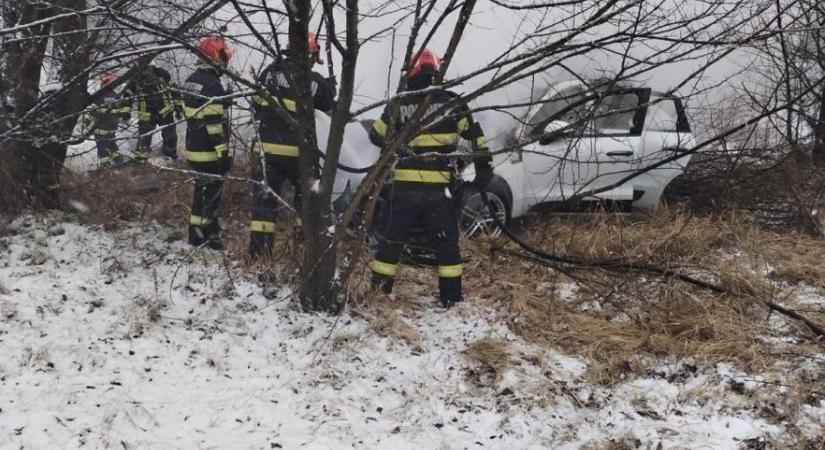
(345, 167)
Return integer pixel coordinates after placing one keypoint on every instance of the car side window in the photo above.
(565, 105)
(615, 114)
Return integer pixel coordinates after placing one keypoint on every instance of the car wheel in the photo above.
(476, 219)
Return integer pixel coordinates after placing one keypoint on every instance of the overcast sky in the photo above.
(491, 32)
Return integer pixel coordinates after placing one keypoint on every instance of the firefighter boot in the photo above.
(205, 235)
(213, 235)
(382, 283)
(170, 152)
(197, 236)
(260, 244)
(449, 291)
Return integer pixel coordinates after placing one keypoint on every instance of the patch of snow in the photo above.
(809, 295)
(120, 339)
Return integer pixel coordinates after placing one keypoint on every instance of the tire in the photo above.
(475, 218)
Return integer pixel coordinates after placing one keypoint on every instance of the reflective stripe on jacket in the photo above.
(276, 138)
(207, 116)
(440, 136)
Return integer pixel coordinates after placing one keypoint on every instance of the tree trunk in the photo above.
(819, 127)
(19, 183)
(819, 132)
(33, 159)
(319, 289)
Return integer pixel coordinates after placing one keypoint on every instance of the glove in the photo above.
(483, 178)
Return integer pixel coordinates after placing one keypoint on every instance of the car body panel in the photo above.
(632, 129)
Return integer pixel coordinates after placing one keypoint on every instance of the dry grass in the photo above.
(130, 193)
(796, 258)
(620, 336)
(139, 316)
(142, 193)
(388, 322)
(665, 236)
(623, 443)
(619, 321)
(742, 281)
(492, 355)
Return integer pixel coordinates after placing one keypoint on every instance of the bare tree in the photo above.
(624, 42)
(561, 33)
(32, 163)
(73, 40)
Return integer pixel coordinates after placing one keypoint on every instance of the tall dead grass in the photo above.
(620, 320)
(141, 193)
(129, 193)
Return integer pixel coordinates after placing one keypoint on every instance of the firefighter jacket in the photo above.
(418, 161)
(154, 92)
(207, 117)
(276, 136)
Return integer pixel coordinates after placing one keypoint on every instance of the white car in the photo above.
(579, 142)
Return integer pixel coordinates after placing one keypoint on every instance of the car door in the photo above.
(551, 164)
(613, 141)
(550, 167)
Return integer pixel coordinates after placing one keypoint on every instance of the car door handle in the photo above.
(620, 153)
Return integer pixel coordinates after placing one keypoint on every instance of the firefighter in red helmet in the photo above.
(206, 105)
(278, 143)
(423, 178)
(104, 119)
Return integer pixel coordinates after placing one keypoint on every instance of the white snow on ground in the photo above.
(120, 339)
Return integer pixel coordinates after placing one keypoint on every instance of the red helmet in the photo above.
(215, 48)
(426, 58)
(106, 77)
(312, 44)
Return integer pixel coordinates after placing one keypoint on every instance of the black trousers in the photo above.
(167, 132)
(106, 149)
(203, 219)
(412, 203)
(264, 205)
